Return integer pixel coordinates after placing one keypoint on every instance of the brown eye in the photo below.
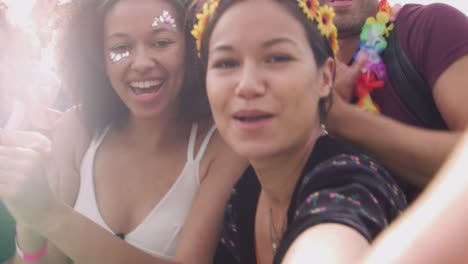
(162, 43)
(279, 59)
(225, 64)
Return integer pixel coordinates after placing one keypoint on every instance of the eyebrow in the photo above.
(222, 48)
(276, 41)
(117, 35)
(153, 31)
(158, 29)
(266, 44)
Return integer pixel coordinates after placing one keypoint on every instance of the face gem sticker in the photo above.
(165, 18)
(116, 56)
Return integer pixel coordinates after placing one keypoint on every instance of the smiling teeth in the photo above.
(145, 85)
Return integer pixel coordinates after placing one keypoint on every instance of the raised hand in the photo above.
(346, 77)
(395, 10)
(24, 188)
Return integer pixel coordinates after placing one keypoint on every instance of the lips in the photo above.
(251, 115)
(145, 87)
(146, 91)
(252, 120)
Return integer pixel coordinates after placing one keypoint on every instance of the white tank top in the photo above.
(158, 233)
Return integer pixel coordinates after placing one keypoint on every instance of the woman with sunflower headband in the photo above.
(306, 197)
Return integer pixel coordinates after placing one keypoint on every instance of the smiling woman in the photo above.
(307, 198)
(132, 158)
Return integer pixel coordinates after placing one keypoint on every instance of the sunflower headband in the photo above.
(322, 15)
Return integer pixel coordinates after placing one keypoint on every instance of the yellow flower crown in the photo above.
(207, 11)
(322, 15)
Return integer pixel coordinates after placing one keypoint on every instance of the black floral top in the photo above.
(338, 185)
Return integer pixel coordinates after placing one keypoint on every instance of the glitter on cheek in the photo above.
(116, 56)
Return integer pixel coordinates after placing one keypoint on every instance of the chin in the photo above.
(146, 113)
(254, 150)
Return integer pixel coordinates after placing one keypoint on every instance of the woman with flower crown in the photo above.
(307, 197)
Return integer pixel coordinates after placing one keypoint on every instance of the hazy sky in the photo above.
(460, 4)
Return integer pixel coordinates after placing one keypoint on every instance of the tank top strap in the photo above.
(99, 137)
(191, 145)
(205, 142)
(88, 158)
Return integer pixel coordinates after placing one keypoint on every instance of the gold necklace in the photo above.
(274, 240)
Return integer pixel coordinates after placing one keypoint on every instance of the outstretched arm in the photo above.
(438, 213)
(327, 243)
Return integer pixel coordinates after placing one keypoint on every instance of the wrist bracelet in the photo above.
(31, 257)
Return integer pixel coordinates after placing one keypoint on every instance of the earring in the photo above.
(324, 130)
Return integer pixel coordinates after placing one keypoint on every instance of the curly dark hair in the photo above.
(320, 45)
(83, 71)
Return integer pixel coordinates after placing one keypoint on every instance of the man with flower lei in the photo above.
(435, 39)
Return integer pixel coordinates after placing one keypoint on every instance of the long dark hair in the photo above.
(320, 45)
(83, 70)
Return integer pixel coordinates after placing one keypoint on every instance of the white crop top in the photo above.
(158, 233)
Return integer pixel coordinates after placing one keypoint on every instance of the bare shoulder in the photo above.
(69, 143)
(220, 169)
(219, 158)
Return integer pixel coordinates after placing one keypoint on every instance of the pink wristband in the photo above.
(31, 257)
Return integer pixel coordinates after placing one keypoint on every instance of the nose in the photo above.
(251, 84)
(142, 60)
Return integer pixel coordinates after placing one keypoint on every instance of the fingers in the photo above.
(24, 139)
(13, 153)
(359, 62)
(395, 10)
(53, 116)
(19, 161)
(43, 117)
(344, 81)
(354, 70)
(346, 76)
(7, 164)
